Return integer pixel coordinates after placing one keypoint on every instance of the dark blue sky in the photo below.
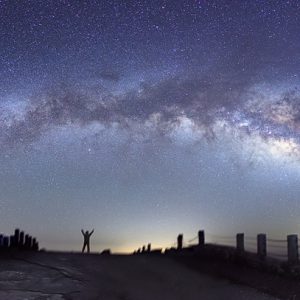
(144, 120)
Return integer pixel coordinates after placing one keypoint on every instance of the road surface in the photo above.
(56, 276)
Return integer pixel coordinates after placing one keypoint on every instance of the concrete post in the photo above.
(262, 245)
(179, 241)
(149, 247)
(292, 241)
(240, 246)
(17, 237)
(201, 238)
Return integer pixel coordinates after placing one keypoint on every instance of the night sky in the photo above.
(145, 119)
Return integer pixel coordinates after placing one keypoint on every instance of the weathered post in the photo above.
(292, 241)
(139, 251)
(143, 249)
(201, 238)
(1, 241)
(179, 241)
(149, 248)
(17, 237)
(240, 246)
(262, 245)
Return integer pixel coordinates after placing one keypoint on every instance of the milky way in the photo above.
(115, 114)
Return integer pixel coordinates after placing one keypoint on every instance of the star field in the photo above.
(143, 119)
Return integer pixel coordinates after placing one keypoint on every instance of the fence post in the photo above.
(30, 242)
(11, 241)
(240, 246)
(292, 241)
(179, 241)
(34, 244)
(21, 240)
(26, 244)
(5, 242)
(201, 238)
(149, 248)
(262, 245)
(17, 237)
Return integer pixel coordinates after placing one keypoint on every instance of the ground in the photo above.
(56, 276)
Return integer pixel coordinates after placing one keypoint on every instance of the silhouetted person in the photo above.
(86, 240)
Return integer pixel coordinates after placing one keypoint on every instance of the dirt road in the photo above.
(56, 276)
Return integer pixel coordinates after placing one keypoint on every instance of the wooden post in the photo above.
(201, 238)
(17, 237)
(179, 241)
(30, 242)
(11, 241)
(26, 244)
(262, 245)
(143, 249)
(292, 241)
(240, 246)
(149, 247)
(21, 240)
(1, 240)
(33, 244)
(5, 242)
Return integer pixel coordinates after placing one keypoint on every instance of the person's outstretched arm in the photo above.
(82, 231)
(91, 232)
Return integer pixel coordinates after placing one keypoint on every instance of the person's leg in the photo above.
(88, 247)
(83, 248)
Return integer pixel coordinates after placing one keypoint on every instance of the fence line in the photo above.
(280, 248)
